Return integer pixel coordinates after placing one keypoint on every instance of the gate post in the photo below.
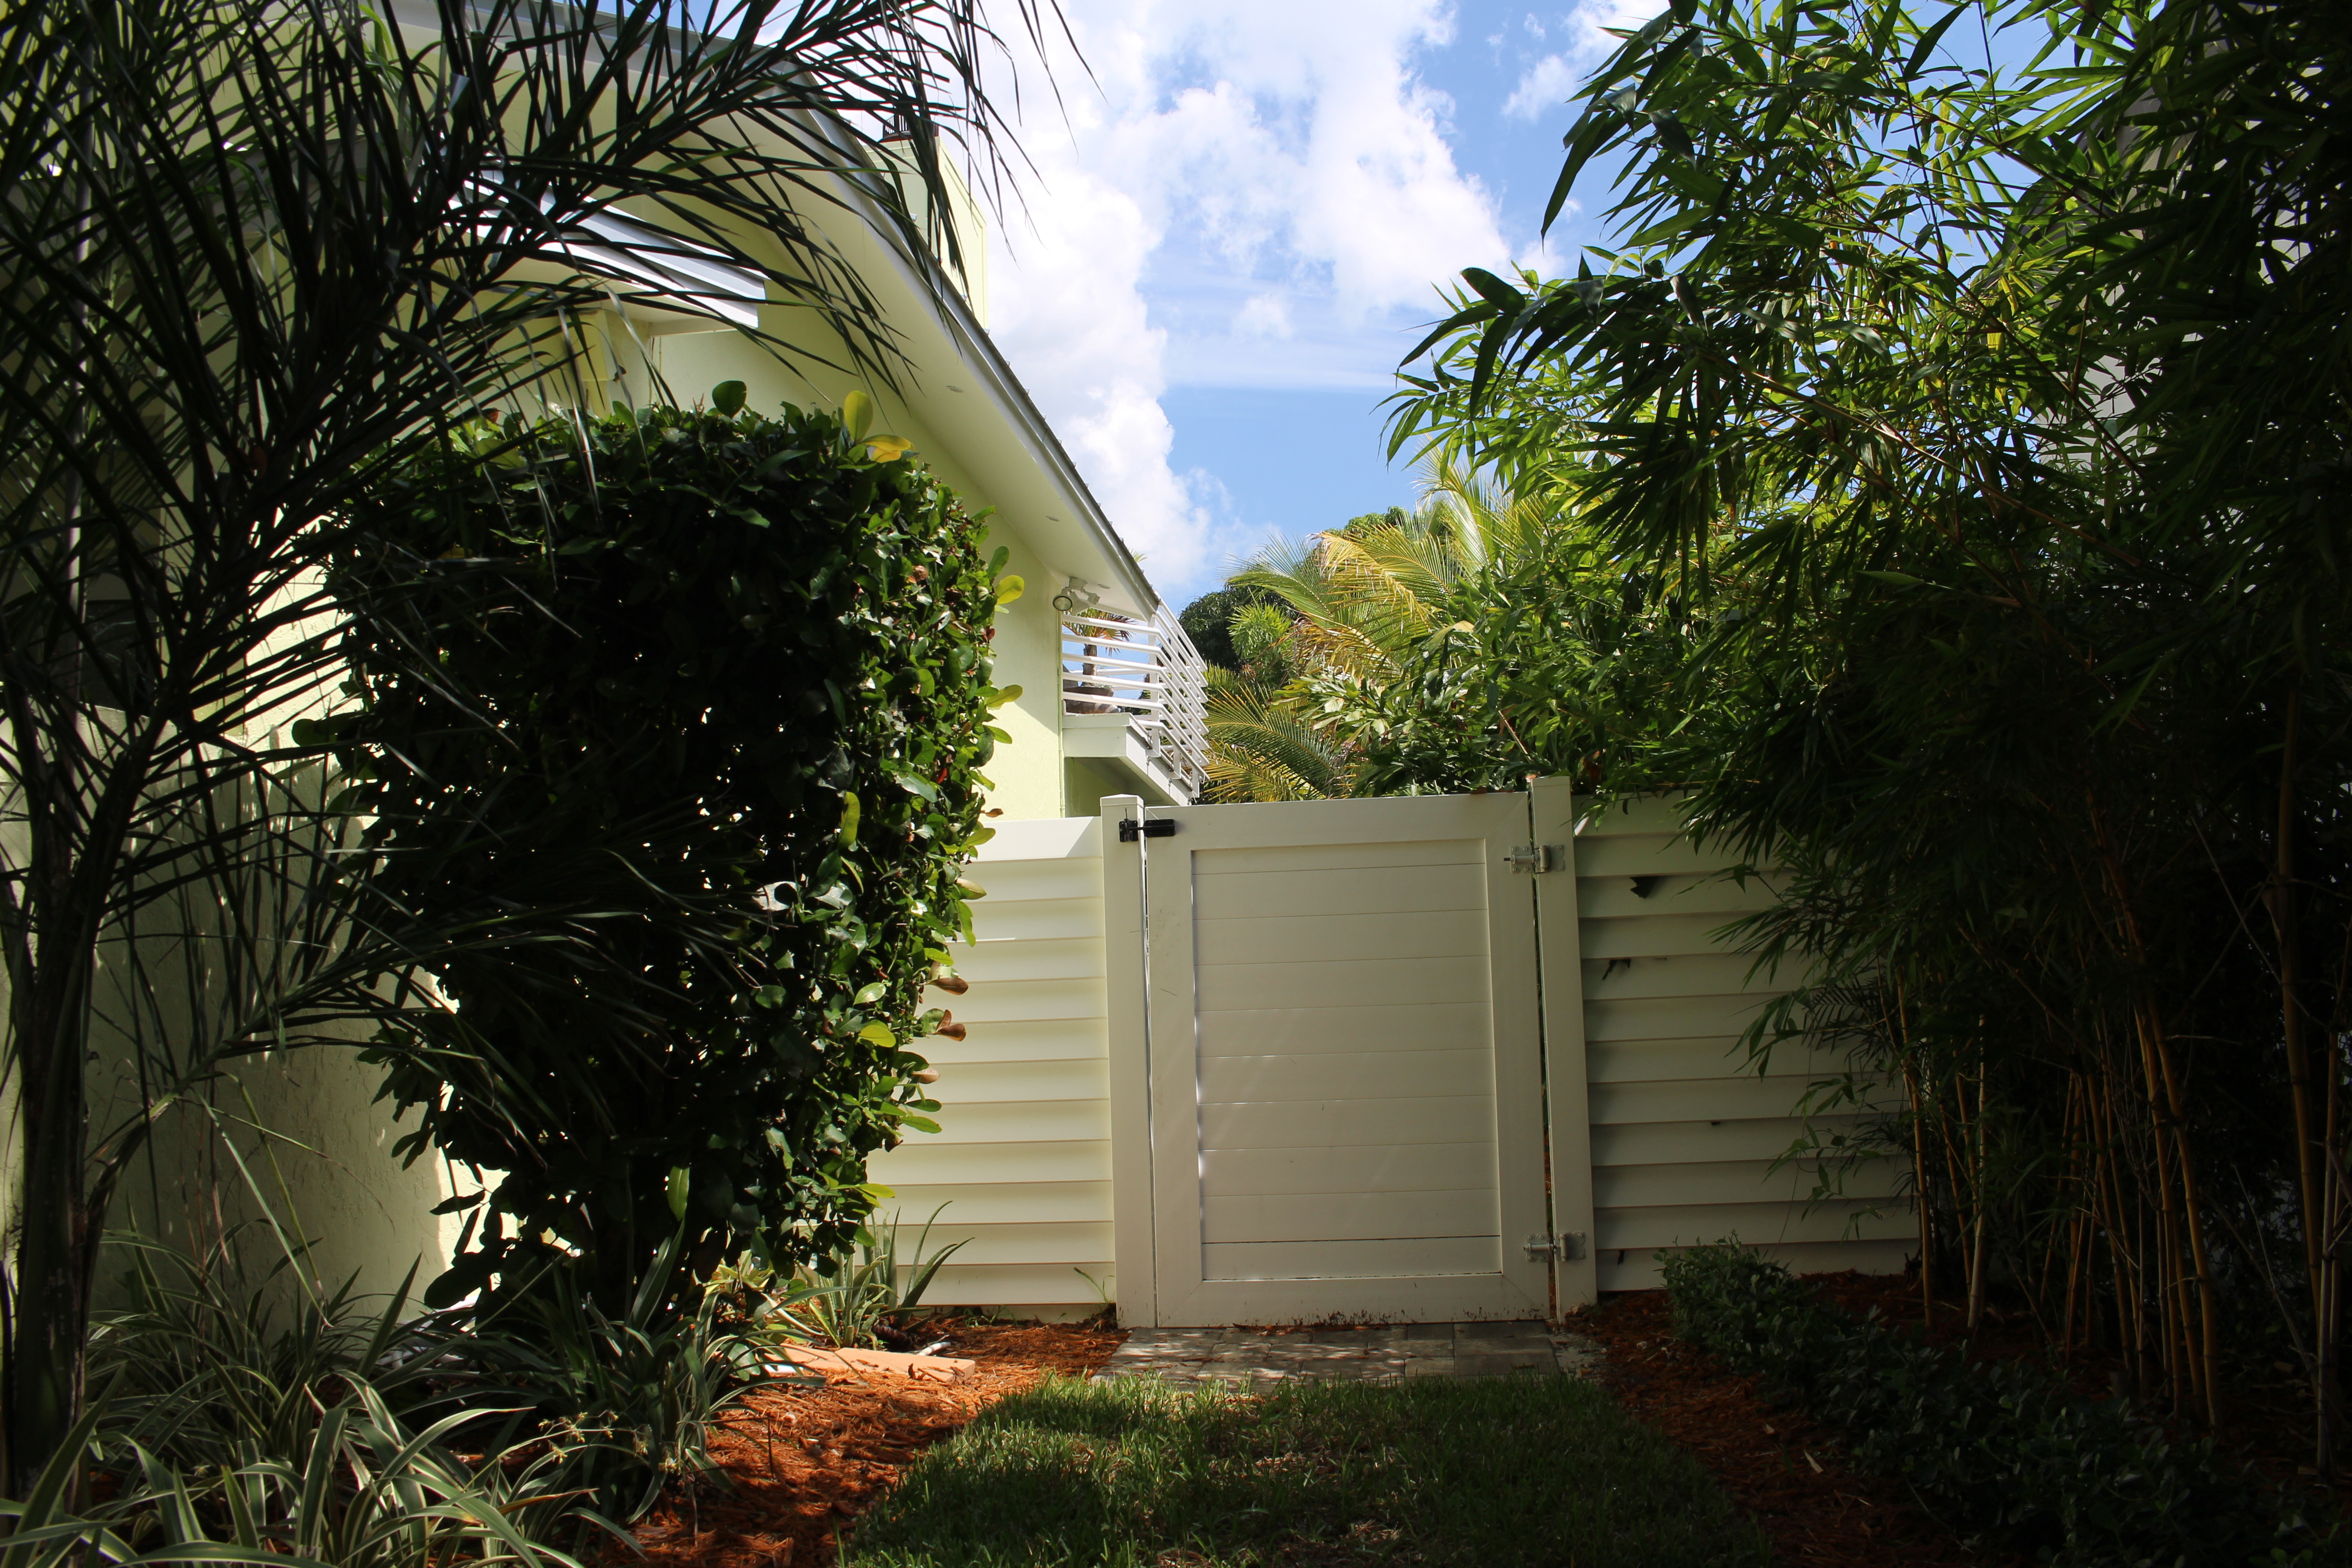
(1134, 1244)
(1567, 1103)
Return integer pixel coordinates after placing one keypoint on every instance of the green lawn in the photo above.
(1133, 1474)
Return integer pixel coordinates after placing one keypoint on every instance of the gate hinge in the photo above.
(1150, 827)
(1567, 1246)
(1535, 857)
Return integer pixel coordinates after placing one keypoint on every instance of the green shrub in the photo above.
(726, 676)
(1999, 1446)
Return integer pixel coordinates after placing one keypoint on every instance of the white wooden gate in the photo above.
(1344, 1060)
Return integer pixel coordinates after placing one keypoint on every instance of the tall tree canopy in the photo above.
(1958, 451)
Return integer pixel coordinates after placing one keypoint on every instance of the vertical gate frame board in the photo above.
(1552, 805)
(1131, 1066)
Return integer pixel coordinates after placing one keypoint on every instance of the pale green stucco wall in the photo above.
(325, 1172)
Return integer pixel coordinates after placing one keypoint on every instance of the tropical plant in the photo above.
(248, 1416)
(1208, 621)
(368, 1492)
(1914, 391)
(628, 1400)
(870, 1302)
(1271, 743)
(255, 257)
(1293, 717)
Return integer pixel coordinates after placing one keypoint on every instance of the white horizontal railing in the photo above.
(1149, 671)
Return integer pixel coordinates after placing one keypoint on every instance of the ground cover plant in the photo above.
(1790, 1473)
(1500, 1470)
(2004, 1447)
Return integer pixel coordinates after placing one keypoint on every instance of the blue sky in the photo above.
(1236, 231)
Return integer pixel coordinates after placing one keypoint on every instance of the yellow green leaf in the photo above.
(857, 414)
(888, 448)
(1009, 589)
(878, 1034)
(1004, 694)
(849, 818)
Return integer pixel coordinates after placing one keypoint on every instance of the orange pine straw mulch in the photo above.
(803, 1460)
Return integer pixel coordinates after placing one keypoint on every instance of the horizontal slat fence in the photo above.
(1021, 1159)
(1683, 1132)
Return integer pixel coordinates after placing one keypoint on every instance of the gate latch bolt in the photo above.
(1150, 827)
(1567, 1246)
(1536, 859)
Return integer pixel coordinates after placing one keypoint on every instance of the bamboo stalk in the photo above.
(1901, 1037)
(2077, 1114)
(2130, 1313)
(1977, 1272)
(1952, 1176)
(2184, 1222)
(2208, 1348)
(2314, 1200)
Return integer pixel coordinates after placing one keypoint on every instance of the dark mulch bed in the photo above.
(803, 1460)
(1787, 1472)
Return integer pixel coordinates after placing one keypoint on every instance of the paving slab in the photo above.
(1190, 1357)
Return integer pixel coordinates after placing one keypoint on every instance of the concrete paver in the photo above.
(1187, 1357)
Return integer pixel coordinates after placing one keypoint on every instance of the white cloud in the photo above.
(1274, 180)
(1263, 316)
(1547, 83)
(1542, 85)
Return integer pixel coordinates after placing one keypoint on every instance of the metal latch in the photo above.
(1567, 1246)
(1535, 857)
(1151, 828)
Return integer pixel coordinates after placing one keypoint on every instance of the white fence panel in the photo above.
(1681, 1133)
(1023, 1157)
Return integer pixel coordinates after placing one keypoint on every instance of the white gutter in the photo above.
(1088, 546)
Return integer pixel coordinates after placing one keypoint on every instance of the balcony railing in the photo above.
(1149, 671)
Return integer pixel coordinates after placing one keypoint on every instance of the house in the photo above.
(1111, 689)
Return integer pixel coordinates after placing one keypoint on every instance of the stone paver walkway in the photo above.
(1186, 1357)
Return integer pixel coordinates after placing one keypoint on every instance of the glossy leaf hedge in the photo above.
(733, 671)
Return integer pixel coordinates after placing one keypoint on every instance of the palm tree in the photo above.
(256, 255)
(1360, 599)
